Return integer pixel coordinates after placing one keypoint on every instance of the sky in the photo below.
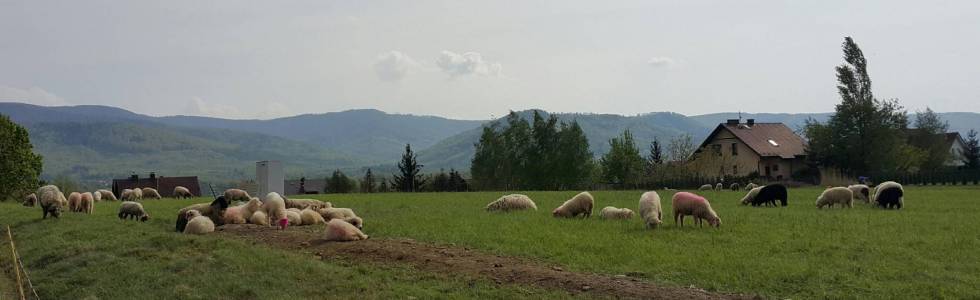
(480, 59)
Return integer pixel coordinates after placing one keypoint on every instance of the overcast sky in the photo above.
(474, 60)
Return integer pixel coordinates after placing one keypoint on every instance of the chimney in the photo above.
(153, 175)
(750, 122)
(732, 122)
(134, 177)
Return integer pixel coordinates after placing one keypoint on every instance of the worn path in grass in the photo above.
(459, 261)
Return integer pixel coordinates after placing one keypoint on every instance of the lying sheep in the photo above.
(294, 217)
(768, 195)
(688, 204)
(706, 187)
(74, 199)
(240, 214)
(182, 193)
(52, 201)
(275, 207)
(214, 210)
(338, 230)
(750, 186)
(511, 202)
(889, 194)
(259, 218)
(610, 212)
(734, 187)
(861, 192)
(151, 193)
(581, 204)
(307, 203)
(30, 200)
(836, 195)
(87, 203)
(197, 223)
(311, 217)
(236, 195)
(106, 195)
(134, 210)
(650, 209)
(344, 214)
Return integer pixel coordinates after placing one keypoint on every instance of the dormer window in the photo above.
(773, 143)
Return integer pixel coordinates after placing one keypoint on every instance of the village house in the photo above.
(733, 148)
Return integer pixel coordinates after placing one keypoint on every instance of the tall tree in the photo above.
(864, 134)
(486, 166)
(410, 178)
(456, 181)
(680, 148)
(542, 153)
(574, 164)
(367, 184)
(19, 165)
(440, 182)
(929, 136)
(971, 155)
(623, 163)
(339, 183)
(655, 157)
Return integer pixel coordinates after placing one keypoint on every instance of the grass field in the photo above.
(929, 249)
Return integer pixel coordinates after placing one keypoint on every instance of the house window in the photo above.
(716, 148)
(734, 149)
(735, 170)
(775, 168)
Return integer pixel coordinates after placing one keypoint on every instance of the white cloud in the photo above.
(31, 95)
(274, 110)
(394, 65)
(469, 63)
(661, 61)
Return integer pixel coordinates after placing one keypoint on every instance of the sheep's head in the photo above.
(190, 214)
(55, 211)
(357, 222)
(283, 223)
(144, 217)
(714, 221)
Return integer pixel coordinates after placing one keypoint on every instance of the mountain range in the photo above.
(95, 143)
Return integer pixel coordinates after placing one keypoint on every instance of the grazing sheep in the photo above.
(214, 210)
(52, 201)
(338, 230)
(30, 200)
(650, 209)
(307, 203)
(750, 196)
(719, 186)
(275, 207)
(107, 195)
(182, 193)
(151, 193)
(768, 195)
(97, 196)
(236, 195)
(610, 212)
(87, 203)
(688, 204)
(131, 195)
(889, 194)
(750, 186)
(861, 192)
(294, 217)
(511, 202)
(581, 204)
(259, 218)
(311, 217)
(734, 187)
(706, 187)
(134, 210)
(74, 202)
(836, 195)
(197, 223)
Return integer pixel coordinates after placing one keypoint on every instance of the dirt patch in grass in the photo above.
(460, 261)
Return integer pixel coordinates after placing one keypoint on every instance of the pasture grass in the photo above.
(929, 249)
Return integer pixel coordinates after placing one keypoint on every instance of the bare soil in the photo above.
(459, 261)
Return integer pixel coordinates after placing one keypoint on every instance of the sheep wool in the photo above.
(338, 230)
(197, 223)
(719, 186)
(688, 204)
(182, 193)
(97, 196)
(889, 194)
(307, 203)
(750, 186)
(107, 195)
(511, 202)
(214, 211)
(835, 195)
(30, 200)
(734, 187)
(750, 196)
(259, 218)
(87, 203)
(133, 210)
(151, 193)
(768, 195)
(236, 195)
(74, 199)
(650, 210)
(861, 192)
(311, 217)
(275, 207)
(610, 212)
(241, 214)
(294, 217)
(52, 201)
(581, 204)
(706, 187)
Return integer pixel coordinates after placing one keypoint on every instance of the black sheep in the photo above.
(769, 194)
(890, 197)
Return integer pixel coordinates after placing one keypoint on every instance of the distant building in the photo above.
(957, 147)
(739, 149)
(269, 176)
(165, 185)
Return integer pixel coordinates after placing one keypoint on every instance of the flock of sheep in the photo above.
(886, 195)
(342, 224)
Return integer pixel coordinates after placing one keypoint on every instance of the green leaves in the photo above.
(19, 165)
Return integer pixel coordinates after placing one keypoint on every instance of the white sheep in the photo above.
(719, 186)
(751, 195)
(311, 217)
(30, 200)
(338, 230)
(344, 214)
(734, 187)
(197, 223)
(182, 193)
(74, 199)
(861, 192)
(688, 204)
(131, 194)
(275, 207)
(512, 202)
(130, 209)
(581, 204)
(294, 217)
(97, 196)
(241, 213)
(259, 218)
(750, 186)
(705, 187)
(107, 195)
(307, 203)
(610, 212)
(52, 201)
(835, 195)
(236, 195)
(87, 203)
(650, 210)
(151, 193)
